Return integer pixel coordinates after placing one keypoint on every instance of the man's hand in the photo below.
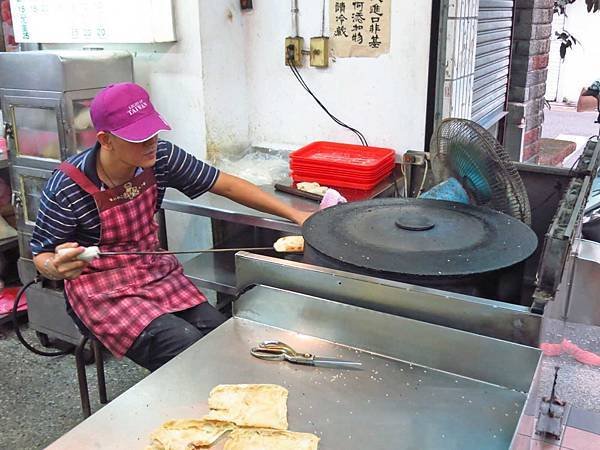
(63, 264)
(65, 260)
(301, 216)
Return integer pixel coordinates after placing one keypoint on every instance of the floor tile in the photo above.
(575, 439)
(542, 445)
(521, 442)
(584, 420)
(532, 406)
(526, 425)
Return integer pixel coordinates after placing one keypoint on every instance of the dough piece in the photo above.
(188, 434)
(262, 439)
(289, 244)
(313, 188)
(89, 254)
(249, 405)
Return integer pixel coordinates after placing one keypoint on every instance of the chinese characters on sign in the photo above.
(359, 28)
(84, 21)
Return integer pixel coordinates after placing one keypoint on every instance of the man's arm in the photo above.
(52, 243)
(193, 177)
(250, 195)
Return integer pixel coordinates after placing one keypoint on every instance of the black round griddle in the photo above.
(408, 238)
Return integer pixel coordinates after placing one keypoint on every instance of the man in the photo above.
(142, 307)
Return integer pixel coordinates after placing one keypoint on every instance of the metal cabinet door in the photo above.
(79, 130)
(27, 185)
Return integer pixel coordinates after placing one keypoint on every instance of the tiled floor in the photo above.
(582, 432)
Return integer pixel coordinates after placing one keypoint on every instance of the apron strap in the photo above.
(78, 177)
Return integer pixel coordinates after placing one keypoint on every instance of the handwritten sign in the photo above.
(93, 21)
(360, 28)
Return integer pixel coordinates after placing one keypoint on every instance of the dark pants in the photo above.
(170, 334)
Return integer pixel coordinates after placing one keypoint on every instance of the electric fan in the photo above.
(464, 154)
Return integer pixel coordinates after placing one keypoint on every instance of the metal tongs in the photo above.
(280, 351)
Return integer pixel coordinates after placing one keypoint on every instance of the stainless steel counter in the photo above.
(422, 386)
(491, 318)
(218, 207)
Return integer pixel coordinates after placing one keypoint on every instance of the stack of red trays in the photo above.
(342, 165)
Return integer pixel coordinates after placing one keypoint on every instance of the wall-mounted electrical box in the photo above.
(293, 51)
(319, 51)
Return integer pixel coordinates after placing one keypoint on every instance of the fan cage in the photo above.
(462, 149)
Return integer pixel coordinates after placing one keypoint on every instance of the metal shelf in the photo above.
(8, 243)
(214, 271)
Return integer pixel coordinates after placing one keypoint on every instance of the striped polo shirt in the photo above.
(69, 214)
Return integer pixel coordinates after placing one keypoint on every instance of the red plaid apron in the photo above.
(116, 297)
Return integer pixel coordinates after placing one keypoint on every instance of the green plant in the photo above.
(561, 5)
(567, 40)
(593, 5)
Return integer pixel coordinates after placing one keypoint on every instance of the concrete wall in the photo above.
(582, 64)
(385, 97)
(224, 76)
(223, 85)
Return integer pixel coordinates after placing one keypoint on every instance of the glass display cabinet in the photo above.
(45, 98)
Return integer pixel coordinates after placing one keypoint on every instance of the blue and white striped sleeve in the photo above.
(188, 174)
(55, 223)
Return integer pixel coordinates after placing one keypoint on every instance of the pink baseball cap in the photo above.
(125, 110)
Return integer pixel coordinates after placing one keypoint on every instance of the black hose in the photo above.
(16, 324)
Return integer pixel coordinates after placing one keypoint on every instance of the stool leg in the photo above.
(100, 371)
(81, 378)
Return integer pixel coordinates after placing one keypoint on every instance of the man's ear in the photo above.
(105, 139)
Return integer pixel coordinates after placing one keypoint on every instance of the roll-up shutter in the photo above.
(492, 58)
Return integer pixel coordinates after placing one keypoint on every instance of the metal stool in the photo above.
(86, 335)
(46, 318)
(82, 376)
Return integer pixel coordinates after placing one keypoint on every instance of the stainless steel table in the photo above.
(216, 271)
(422, 386)
(218, 207)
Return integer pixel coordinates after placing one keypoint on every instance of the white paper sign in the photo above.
(360, 28)
(93, 21)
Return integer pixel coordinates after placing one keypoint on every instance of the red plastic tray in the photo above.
(337, 155)
(354, 168)
(357, 170)
(334, 182)
(338, 173)
(341, 177)
(7, 300)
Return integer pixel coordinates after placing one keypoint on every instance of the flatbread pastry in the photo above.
(249, 405)
(312, 187)
(289, 244)
(263, 439)
(188, 434)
